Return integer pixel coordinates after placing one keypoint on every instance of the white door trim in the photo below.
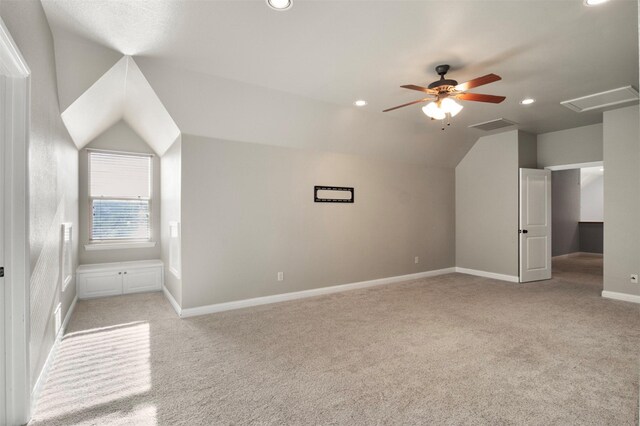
(575, 166)
(14, 138)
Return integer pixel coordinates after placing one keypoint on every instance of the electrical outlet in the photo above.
(416, 260)
(280, 276)
(634, 278)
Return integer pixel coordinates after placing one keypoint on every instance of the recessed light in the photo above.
(280, 4)
(594, 2)
(360, 103)
(527, 101)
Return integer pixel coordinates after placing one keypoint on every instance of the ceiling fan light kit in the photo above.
(594, 2)
(280, 4)
(443, 92)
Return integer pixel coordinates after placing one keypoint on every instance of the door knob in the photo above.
(524, 231)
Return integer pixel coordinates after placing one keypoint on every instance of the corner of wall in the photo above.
(527, 150)
(171, 215)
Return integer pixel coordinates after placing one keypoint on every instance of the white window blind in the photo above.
(120, 195)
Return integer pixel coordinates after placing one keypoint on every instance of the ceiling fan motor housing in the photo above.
(443, 84)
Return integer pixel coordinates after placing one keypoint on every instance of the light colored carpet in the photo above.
(453, 349)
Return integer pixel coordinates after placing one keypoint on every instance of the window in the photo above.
(119, 196)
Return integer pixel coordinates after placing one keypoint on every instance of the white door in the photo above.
(535, 225)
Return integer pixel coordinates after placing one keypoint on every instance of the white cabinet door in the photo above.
(140, 280)
(99, 284)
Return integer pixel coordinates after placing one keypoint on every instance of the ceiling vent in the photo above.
(603, 99)
(487, 126)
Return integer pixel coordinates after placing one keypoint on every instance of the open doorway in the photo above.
(578, 222)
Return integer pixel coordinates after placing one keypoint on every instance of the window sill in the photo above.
(119, 246)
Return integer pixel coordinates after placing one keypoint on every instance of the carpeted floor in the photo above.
(454, 349)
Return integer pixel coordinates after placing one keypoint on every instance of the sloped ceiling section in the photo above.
(100, 107)
(122, 93)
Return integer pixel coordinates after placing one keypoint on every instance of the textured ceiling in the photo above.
(340, 51)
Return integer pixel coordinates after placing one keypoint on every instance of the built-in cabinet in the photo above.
(111, 279)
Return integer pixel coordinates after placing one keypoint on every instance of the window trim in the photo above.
(127, 242)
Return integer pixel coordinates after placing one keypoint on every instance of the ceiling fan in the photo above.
(443, 92)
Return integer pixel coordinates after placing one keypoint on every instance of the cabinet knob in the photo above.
(125, 272)
(119, 273)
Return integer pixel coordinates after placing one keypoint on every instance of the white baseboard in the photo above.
(485, 274)
(174, 303)
(577, 254)
(239, 304)
(621, 296)
(42, 378)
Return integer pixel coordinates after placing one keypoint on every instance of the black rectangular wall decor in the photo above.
(320, 194)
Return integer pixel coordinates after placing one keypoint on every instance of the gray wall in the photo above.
(53, 177)
(119, 137)
(591, 237)
(527, 150)
(171, 211)
(565, 211)
(571, 146)
(621, 199)
(248, 213)
(487, 205)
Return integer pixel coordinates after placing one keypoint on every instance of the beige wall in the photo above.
(53, 178)
(248, 213)
(621, 199)
(170, 211)
(571, 146)
(119, 137)
(487, 205)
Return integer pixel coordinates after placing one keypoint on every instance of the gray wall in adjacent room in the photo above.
(565, 211)
(621, 199)
(53, 178)
(119, 137)
(591, 237)
(487, 205)
(249, 213)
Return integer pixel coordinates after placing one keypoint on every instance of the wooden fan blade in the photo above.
(410, 103)
(480, 81)
(419, 88)
(477, 97)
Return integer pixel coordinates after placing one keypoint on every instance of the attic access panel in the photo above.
(333, 194)
(621, 95)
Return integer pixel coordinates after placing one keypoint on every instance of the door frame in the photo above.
(14, 137)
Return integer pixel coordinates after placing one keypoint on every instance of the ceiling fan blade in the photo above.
(477, 97)
(410, 103)
(480, 81)
(419, 88)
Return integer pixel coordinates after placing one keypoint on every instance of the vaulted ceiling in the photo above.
(259, 70)
(122, 93)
